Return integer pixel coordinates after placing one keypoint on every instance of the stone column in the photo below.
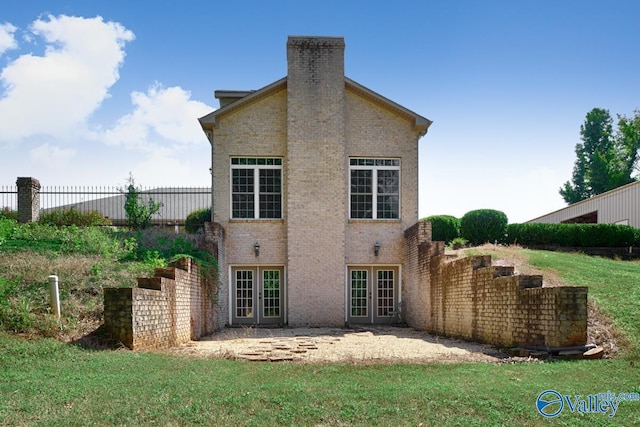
(28, 199)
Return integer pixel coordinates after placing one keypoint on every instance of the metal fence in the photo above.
(176, 202)
(9, 197)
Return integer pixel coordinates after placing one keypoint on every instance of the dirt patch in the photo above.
(335, 345)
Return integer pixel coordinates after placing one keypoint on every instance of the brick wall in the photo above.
(472, 299)
(215, 239)
(316, 184)
(168, 309)
(416, 295)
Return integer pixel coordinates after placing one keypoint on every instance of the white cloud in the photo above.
(47, 154)
(7, 40)
(163, 168)
(161, 116)
(55, 93)
(49, 104)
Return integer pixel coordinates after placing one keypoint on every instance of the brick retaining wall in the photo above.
(472, 299)
(168, 309)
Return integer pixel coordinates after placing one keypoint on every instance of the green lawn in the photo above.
(49, 383)
(45, 382)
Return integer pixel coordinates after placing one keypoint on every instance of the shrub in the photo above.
(73, 217)
(444, 228)
(575, 235)
(6, 213)
(458, 243)
(137, 212)
(196, 219)
(483, 225)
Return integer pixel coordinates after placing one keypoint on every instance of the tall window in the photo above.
(256, 188)
(374, 188)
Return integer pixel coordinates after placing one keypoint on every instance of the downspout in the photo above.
(209, 134)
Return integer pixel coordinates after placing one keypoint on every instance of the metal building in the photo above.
(618, 206)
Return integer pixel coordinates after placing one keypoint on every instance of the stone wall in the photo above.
(169, 309)
(474, 300)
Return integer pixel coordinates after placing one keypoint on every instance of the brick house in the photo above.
(315, 184)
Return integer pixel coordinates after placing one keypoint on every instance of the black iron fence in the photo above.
(176, 202)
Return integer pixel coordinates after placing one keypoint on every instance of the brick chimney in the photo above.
(316, 178)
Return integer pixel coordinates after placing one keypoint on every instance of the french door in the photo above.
(372, 294)
(257, 295)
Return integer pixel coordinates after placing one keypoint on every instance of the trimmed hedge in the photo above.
(574, 235)
(196, 219)
(483, 225)
(444, 228)
(73, 217)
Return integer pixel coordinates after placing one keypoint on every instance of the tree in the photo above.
(605, 160)
(137, 212)
(629, 141)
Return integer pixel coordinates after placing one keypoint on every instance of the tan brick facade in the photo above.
(315, 120)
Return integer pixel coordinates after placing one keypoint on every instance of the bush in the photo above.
(196, 219)
(138, 212)
(458, 243)
(444, 228)
(73, 217)
(6, 213)
(483, 225)
(574, 235)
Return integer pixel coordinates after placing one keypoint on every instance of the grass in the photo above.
(49, 383)
(46, 382)
(85, 259)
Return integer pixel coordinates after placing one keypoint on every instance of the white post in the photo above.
(54, 295)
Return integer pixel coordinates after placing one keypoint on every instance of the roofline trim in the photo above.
(419, 122)
(590, 199)
(210, 120)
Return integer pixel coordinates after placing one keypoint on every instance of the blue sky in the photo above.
(93, 90)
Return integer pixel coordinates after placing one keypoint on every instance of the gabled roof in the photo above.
(234, 100)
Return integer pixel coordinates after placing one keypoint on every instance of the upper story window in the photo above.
(256, 188)
(374, 188)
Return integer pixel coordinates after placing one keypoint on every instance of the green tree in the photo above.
(629, 142)
(605, 160)
(137, 212)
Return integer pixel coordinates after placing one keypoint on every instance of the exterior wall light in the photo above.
(376, 248)
(256, 248)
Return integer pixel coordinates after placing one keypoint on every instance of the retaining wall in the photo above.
(472, 299)
(171, 308)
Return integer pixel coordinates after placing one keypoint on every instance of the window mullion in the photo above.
(256, 193)
(374, 193)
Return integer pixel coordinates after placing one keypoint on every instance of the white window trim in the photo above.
(256, 186)
(257, 268)
(374, 185)
(371, 268)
